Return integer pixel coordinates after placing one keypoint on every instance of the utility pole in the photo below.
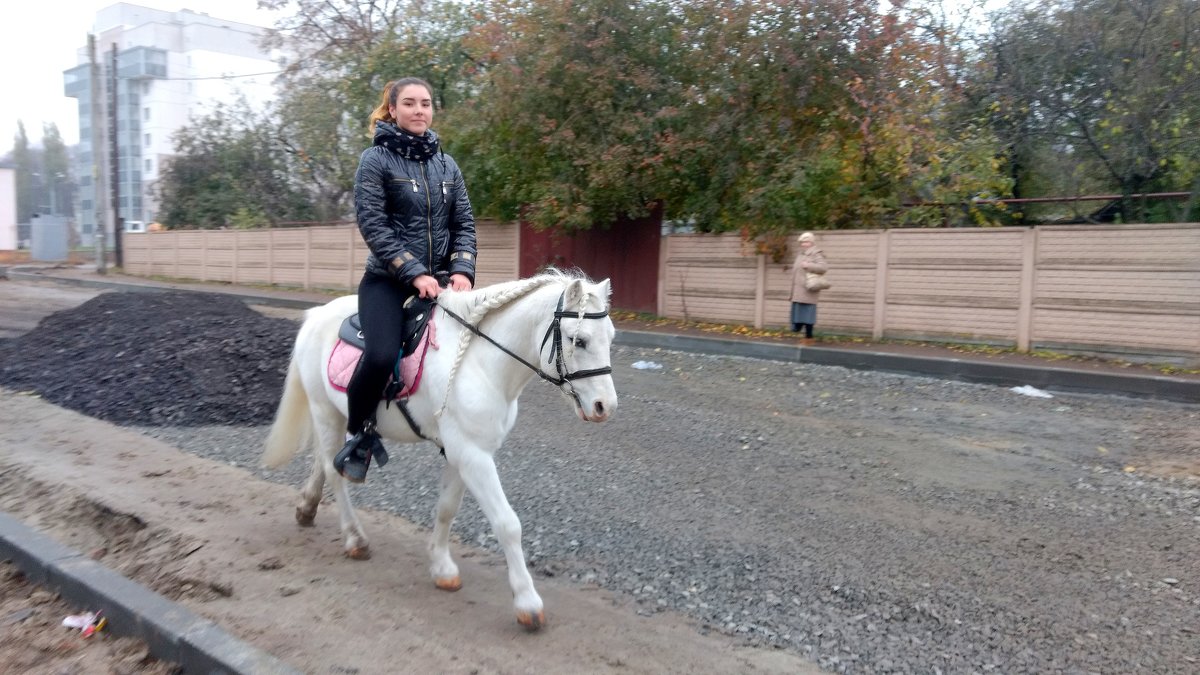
(97, 101)
(118, 221)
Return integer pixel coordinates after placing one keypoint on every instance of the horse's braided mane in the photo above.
(494, 297)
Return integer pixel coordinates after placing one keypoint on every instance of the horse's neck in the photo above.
(519, 327)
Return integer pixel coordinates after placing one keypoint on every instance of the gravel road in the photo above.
(871, 522)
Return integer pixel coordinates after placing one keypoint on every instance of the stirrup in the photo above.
(374, 444)
(355, 456)
(351, 463)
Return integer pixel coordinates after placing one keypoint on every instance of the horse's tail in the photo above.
(293, 424)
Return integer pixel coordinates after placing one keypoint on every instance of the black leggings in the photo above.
(381, 312)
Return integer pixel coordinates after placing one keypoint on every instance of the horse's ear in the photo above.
(573, 295)
(606, 290)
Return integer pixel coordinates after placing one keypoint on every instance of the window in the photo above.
(148, 165)
(146, 114)
(85, 205)
(146, 140)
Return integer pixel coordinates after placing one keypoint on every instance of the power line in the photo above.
(227, 77)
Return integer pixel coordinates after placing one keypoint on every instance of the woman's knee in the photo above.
(379, 360)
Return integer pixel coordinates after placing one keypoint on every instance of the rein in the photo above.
(556, 349)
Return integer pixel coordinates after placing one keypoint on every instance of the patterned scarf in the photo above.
(408, 146)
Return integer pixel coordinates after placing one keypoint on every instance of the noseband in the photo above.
(564, 377)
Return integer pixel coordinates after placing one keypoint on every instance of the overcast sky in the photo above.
(38, 41)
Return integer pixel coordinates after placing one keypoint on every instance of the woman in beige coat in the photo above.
(810, 259)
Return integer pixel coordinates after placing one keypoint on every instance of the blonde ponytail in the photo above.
(381, 113)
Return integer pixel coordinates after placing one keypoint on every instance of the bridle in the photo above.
(565, 378)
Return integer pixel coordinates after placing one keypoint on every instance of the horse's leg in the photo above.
(310, 496)
(356, 544)
(478, 471)
(441, 565)
(329, 439)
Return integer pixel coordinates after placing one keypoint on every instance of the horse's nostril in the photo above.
(599, 408)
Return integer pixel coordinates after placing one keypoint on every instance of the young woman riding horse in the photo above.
(415, 216)
(492, 341)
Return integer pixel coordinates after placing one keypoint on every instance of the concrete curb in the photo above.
(172, 632)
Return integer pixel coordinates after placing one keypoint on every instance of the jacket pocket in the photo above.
(406, 182)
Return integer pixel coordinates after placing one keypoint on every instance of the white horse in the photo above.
(466, 403)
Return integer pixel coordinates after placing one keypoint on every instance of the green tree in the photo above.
(56, 171)
(576, 113)
(230, 171)
(347, 52)
(828, 114)
(759, 115)
(27, 165)
(1111, 87)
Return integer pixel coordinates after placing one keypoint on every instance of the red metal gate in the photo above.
(626, 252)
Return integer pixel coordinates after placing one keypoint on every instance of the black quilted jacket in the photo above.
(417, 212)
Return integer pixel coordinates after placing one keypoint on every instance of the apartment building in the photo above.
(171, 67)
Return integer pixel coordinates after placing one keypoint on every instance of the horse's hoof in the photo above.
(359, 553)
(448, 583)
(305, 517)
(531, 620)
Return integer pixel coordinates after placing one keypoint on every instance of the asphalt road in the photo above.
(24, 303)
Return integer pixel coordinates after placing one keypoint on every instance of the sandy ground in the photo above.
(163, 518)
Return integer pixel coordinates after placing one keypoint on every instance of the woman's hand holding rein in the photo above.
(428, 287)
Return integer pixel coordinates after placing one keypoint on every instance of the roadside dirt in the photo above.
(162, 517)
(34, 641)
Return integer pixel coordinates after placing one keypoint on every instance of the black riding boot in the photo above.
(355, 457)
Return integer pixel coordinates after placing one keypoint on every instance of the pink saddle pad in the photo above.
(345, 358)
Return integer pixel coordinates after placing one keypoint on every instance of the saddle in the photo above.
(415, 341)
(417, 311)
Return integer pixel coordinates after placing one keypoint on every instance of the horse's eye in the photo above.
(580, 343)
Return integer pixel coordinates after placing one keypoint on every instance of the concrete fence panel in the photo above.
(325, 257)
(1131, 288)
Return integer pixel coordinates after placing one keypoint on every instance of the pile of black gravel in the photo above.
(168, 358)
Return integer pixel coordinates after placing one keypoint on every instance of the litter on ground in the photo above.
(1027, 390)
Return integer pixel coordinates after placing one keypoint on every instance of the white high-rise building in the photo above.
(171, 67)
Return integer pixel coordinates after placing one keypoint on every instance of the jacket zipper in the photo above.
(407, 180)
(428, 216)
